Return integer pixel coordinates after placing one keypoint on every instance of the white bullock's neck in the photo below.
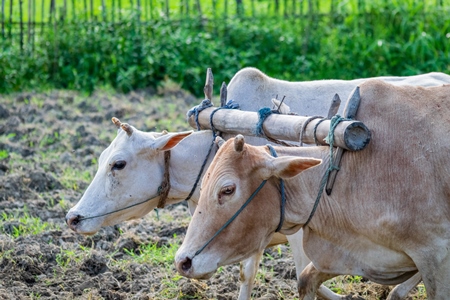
(185, 163)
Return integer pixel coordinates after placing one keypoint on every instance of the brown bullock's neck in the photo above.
(302, 190)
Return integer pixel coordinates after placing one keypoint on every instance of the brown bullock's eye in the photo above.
(227, 190)
(119, 165)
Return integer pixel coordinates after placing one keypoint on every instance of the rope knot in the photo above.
(197, 109)
(263, 113)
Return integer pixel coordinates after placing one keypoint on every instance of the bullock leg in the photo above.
(402, 290)
(309, 282)
(301, 261)
(436, 273)
(249, 268)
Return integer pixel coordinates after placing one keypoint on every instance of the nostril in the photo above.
(73, 221)
(186, 264)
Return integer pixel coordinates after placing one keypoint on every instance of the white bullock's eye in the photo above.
(119, 165)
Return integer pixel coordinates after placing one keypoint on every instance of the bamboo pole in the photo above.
(349, 135)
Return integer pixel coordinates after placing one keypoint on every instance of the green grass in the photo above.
(24, 224)
(155, 255)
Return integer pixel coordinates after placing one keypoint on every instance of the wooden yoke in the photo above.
(350, 135)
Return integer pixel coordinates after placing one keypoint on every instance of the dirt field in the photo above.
(49, 145)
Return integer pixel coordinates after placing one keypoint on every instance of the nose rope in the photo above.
(231, 219)
(252, 196)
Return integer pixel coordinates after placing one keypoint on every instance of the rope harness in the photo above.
(330, 140)
(247, 202)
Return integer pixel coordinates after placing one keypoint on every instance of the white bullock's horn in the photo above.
(219, 141)
(127, 128)
(116, 122)
(239, 143)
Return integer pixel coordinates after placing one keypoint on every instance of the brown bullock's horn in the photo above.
(239, 143)
(164, 132)
(219, 141)
(127, 128)
(116, 122)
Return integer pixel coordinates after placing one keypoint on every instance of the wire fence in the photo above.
(22, 21)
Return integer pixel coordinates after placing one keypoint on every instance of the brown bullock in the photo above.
(388, 218)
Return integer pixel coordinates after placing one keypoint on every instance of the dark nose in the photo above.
(184, 265)
(73, 220)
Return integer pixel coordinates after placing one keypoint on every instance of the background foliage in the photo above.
(133, 49)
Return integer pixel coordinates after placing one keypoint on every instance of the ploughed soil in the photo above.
(49, 145)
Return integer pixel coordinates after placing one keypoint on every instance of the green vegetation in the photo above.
(382, 38)
(17, 225)
(154, 254)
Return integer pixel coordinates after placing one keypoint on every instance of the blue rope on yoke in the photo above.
(263, 113)
(197, 109)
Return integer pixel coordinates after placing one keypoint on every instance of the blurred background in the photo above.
(128, 45)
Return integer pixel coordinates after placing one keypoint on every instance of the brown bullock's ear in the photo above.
(239, 143)
(290, 166)
(116, 122)
(169, 140)
(219, 141)
(127, 128)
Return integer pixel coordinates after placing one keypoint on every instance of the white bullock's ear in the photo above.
(281, 107)
(169, 140)
(290, 166)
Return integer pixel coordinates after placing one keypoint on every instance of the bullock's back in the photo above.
(406, 163)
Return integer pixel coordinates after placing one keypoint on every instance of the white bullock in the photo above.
(131, 169)
(388, 218)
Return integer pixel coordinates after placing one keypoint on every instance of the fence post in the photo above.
(3, 18)
(120, 10)
(73, 11)
(199, 8)
(113, 10)
(29, 22)
(21, 25)
(92, 10)
(10, 18)
(85, 10)
(168, 10)
(103, 11)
